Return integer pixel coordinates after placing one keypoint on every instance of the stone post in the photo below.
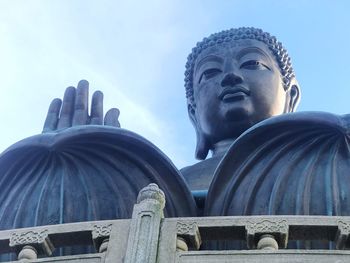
(100, 236)
(30, 243)
(145, 225)
(342, 235)
(271, 234)
(188, 236)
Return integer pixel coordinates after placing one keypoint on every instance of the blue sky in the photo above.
(135, 52)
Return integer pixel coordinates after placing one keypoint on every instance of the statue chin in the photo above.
(237, 114)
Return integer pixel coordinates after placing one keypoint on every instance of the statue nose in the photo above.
(231, 79)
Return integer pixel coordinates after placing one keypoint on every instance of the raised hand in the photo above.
(73, 110)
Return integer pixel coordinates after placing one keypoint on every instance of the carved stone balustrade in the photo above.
(148, 237)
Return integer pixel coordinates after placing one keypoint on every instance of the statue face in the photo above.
(235, 86)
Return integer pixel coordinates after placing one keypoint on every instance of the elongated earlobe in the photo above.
(294, 97)
(202, 147)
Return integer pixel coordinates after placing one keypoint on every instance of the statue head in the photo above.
(235, 79)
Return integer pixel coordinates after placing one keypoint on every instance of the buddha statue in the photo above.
(237, 83)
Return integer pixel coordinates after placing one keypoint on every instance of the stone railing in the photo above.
(150, 238)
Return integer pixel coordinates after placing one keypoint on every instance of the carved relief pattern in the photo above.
(186, 228)
(342, 234)
(101, 231)
(190, 232)
(344, 227)
(267, 226)
(29, 237)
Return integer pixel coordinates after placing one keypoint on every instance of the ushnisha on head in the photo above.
(235, 79)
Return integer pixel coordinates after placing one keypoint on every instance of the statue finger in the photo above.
(52, 116)
(97, 108)
(80, 116)
(111, 118)
(67, 110)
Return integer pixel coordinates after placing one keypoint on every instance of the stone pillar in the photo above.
(145, 225)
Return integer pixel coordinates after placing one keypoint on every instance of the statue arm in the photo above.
(73, 110)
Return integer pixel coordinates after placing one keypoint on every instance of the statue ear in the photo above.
(294, 96)
(202, 147)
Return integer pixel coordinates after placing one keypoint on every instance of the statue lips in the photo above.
(234, 93)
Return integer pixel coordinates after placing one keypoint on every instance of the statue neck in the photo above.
(221, 147)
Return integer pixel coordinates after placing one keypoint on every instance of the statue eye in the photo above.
(209, 73)
(254, 65)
